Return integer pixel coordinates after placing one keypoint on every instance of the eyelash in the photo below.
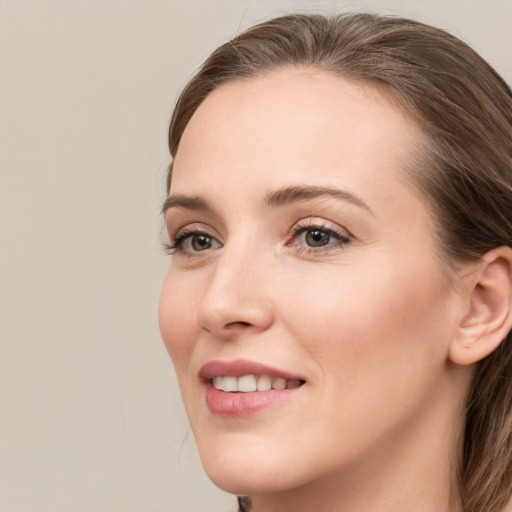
(341, 239)
(175, 244)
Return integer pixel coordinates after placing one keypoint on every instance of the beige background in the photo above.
(90, 415)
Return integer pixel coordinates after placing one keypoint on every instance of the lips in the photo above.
(241, 387)
(242, 367)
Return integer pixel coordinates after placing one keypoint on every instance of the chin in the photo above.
(249, 470)
(250, 482)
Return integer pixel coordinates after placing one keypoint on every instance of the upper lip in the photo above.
(240, 367)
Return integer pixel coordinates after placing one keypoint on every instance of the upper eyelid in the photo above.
(327, 230)
(306, 223)
(309, 222)
(178, 217)
(190, 228)
(324, 224)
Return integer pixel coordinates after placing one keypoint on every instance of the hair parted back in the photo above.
(464, 168)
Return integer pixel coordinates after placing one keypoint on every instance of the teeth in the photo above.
(279, 384)
(293, 384)
(251, 383)
(247, 383)
(230, 384)
(264, 383)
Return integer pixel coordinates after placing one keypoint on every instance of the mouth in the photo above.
(253, 383)
(240, 388)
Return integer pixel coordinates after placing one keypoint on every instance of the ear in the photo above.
(488, 317)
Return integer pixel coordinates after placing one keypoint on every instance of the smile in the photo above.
(252, 383)
(240, 388)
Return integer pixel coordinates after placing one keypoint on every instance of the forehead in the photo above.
(294, 125)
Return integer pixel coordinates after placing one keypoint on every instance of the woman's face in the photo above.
(303, 259)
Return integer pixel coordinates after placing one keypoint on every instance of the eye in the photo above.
(190, 242)
(316, 238)
(197, 243)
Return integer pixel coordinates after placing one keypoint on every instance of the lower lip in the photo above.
(225, 404)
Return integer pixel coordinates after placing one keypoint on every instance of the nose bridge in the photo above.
(237, 294)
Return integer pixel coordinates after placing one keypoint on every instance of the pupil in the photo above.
(317, 238)
(201, 242)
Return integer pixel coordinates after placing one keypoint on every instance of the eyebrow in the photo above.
(274, 198)
(284, 196)
(188, 202)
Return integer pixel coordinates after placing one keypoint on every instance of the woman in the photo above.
(339, 294)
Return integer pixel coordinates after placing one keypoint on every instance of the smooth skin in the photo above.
(305, 248)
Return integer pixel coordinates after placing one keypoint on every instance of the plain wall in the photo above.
(90, 413)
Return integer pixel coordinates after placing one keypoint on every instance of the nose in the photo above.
(237, 296)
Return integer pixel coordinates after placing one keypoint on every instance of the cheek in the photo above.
(391, 326)
(376, 350)
(177, 318)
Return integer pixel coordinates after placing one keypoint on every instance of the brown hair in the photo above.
(465, 110)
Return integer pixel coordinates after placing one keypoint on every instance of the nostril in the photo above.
(237, 324)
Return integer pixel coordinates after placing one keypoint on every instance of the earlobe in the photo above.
(488, 318)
